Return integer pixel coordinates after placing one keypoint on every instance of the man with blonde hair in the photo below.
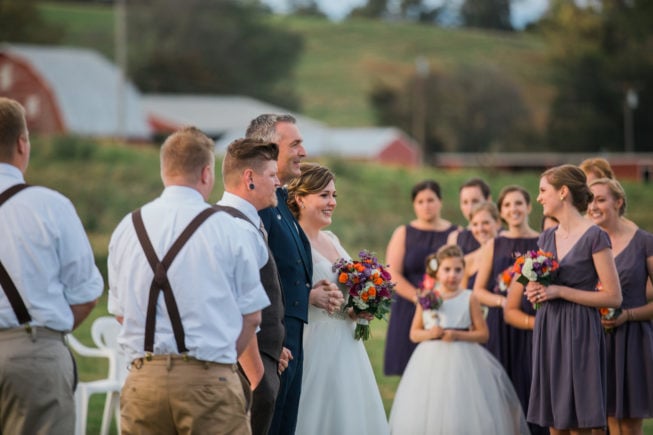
(184, 282)
(49, 285)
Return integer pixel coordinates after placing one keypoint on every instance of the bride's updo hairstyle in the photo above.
(313, 179)
(433, 261)
(574, 178)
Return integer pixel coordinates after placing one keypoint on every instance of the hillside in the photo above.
(106, 181)
(342, 62)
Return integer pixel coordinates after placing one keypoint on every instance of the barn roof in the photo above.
(86, 87)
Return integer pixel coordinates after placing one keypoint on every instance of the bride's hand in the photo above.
(363, 315)
(327, 296)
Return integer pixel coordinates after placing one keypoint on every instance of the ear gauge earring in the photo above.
(251, 186)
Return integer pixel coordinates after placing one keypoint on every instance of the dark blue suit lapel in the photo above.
(297, 233)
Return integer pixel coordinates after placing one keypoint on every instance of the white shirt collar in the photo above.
(11, 171)
(181, 194)
(242, 205)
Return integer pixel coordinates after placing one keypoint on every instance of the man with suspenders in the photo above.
(184, 281)
(49, 284)
(249, 175)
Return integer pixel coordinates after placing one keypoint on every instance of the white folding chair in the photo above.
(104, 332)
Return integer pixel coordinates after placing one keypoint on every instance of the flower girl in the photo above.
(452, 385)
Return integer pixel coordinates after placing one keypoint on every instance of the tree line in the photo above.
(600, 53)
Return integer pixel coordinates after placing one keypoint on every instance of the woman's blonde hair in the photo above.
(616, 189)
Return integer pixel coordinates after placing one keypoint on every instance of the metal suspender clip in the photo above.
(31, 331)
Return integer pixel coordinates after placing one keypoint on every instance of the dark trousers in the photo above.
(265, 396)
(285, 410)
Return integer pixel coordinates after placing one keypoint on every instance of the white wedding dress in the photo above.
(455, 388)
(339, 392)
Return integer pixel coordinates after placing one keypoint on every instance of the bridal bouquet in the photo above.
(369, 288)
(535, 266)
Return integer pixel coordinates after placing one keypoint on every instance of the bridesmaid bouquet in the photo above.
(608, 313)
(535, 266)
(369, 288)
(504, 279)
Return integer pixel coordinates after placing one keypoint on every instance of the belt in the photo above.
(33, 331)
(167, 360)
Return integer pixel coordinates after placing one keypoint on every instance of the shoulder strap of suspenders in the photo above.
(17, 304)
(160, 281)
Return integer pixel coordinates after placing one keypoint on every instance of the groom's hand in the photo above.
(284, 359)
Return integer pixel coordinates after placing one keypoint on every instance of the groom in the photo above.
(292, 253)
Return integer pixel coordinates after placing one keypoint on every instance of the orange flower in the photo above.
(364, 296)
(604, 311)
(359, 267)
(343, 278)
(356, 280)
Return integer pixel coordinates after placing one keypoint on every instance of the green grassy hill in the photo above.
(106, 181)
(342, 62)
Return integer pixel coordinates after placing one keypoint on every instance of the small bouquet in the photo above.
(609, 314)
(504, 279)
(535, 266)
(369, 288)
(430, 300)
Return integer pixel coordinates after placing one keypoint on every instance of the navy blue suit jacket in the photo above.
(292, 252)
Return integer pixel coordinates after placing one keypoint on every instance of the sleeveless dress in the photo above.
(455, 387)
(339, 391)
(398, 347)
(511, 346)
(467, 241)
(630, 346)
(569, 378)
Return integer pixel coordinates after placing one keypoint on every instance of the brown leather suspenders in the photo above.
(160, 281)
(17, 304)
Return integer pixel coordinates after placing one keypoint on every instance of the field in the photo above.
(106, 181)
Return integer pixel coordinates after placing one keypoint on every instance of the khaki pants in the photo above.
(170, 395)
(36, 383)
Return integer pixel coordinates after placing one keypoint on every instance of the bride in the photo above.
(339, 391)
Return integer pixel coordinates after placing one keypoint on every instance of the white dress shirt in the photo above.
(47, 254)
(214, 278)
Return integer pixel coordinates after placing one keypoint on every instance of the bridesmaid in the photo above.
(473, 191)
(629, 344)
(569, 373)
(484, 223)
(508, 345)
(406, 252)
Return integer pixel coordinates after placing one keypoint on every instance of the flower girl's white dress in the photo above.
(339, 392)
(455, 388)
